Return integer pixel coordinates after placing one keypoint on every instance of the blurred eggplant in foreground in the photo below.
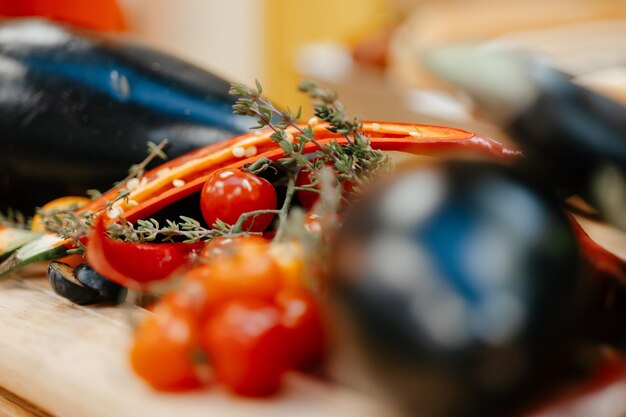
(76, 110)
(572, 137)
(462, 285)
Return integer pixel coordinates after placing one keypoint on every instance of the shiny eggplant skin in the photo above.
(76, 110)
(63, 281)
(569, 133)
(461, 284)
(108, 291)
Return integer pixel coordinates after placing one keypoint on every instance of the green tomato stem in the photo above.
(284, 210)
(237, 227)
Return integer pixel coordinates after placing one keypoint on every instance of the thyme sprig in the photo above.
(14, 219)
(69, 224)
(354, 161)
(149, 230)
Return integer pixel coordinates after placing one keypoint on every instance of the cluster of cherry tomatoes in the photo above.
(243, 316)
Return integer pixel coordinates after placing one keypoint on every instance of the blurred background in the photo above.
(369, 50)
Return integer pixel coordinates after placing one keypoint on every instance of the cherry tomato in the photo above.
(300, 314)
(163, 347)
(229, 193)
(312, 222)
(245, 269)
(309, 198)
(221, 244)
(289, 256)
(306, 198)
(247, 345)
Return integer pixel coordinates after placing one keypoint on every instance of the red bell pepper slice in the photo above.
(134, 265)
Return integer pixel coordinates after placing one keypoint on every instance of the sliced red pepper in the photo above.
(193, 168)
(135, 265)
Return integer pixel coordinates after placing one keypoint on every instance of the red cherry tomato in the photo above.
(246, 343)
(312, 222)
(301, 315)
(229, 193)
(245, 269)
(306, 198)
(163, 347)
(309, 198)
(221, 244)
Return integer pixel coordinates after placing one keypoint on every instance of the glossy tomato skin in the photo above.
(229, 193)
(306, 198)
(225, 244)
(461, 281)
(301, 316)
(244, 269)
(309, 198)
(247, 344)
(163, 349)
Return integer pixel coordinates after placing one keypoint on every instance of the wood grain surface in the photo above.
(71, 361)
(59, 359)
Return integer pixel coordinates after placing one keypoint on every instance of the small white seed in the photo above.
(132, 183)
(132, 203)
(178, 182)
(251, 151)
(375, 127)
(238, 151)
(415, 134)
(162, 172)
(114, 213)
(313, 121)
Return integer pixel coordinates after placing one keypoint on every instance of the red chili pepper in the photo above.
(604, 263)
(606, 275)
(194, 168)
(135, 264)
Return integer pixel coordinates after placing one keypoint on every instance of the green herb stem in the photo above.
(284, 211)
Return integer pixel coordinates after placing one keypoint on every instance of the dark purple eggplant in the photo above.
(573, 138)
(82, 285)
(63, 281)
(76, 110)
(108, 291)
(461, 282)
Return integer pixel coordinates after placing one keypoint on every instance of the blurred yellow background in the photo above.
(247, 39)
(370, 51)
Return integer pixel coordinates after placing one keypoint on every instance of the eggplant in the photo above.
(572, 137)
(63, 281)
(461, 282)
(108, 291)
(77, 109)
(82, 285)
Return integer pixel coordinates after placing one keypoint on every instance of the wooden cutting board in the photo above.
(60, 359)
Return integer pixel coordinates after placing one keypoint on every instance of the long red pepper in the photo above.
(194, 167)
(135, 264)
